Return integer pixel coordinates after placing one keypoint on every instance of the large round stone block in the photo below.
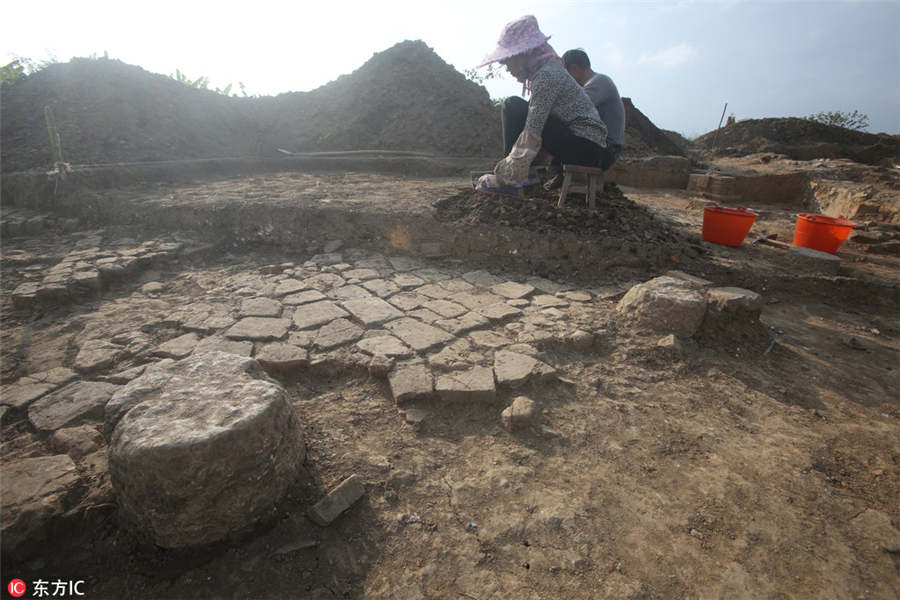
(200, 448)
(664, 305)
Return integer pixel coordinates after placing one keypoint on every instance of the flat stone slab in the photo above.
(498, 312)
(282, 358)
(512, 290)
(513, 369)
(464, 324)
(489, 339)
(406, 280)
(324, 281)
(576, 296)
(445, 308)
(220, 343)
(260, 329)
(95, 355)
(76, 441)
(76, 404)
(178, 347)
(317, 313)
(407, 300)
(474, 301)
(371, 311)
(304, 297)
(349, 292)
(548, 301)
(434, 291)
(337, 501)
(260, 307)
(545, 285)
(204, 317)
(381, 287)
(410, 381)
(385, 345)
(419, 336)
(425, 315)
(36, 491)
(473, 385)
(58, 376)
(286, 287)
(337, 333)
(20, 395)
(201, 448)
(360, 274)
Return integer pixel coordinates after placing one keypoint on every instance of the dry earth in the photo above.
(729, 467)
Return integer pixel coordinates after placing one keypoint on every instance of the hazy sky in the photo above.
(679, 61)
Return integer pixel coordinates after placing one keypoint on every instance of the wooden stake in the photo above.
(55, 146)
(716, 137)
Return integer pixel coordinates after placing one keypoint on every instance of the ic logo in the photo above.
(17, 588)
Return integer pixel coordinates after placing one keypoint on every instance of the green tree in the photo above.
(855, 120)
(12, 71)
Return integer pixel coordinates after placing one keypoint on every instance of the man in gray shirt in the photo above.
(603, 93)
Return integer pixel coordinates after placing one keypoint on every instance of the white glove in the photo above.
(513, 169)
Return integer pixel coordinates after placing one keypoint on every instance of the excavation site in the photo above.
(280, 347)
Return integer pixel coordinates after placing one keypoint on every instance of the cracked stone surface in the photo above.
(384, 345)
(337, 333)
(76, 404)
(178, 347)
(473, 385)
(261, 307)
(512, 290)
(371, 311)
(312, 315)
(410, 382)
(259, 329)
(418, 335)
(513, 369)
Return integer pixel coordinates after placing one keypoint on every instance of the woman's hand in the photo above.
(513, 169)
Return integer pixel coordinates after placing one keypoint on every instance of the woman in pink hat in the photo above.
(559, 117)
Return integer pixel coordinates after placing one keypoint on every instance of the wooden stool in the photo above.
(595, 178)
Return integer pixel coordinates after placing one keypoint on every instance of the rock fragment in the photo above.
(201, 448)
(664, 305)
(521, 414)
(337, 501)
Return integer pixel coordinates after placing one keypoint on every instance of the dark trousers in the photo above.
(557, 139)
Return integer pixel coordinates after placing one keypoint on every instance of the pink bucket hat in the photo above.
(517, 37)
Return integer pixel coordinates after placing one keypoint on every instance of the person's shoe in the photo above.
(488, 184)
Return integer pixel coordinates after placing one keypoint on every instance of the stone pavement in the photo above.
(432, 331)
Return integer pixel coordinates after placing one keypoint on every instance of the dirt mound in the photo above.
(405, 98)
(623, 227)
(107, 111)
(643, 138)
(800, 139)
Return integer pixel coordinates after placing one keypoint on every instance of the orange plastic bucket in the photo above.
(727, 226)
(822, 233)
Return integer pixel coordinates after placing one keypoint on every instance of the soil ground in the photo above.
(733, 469)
